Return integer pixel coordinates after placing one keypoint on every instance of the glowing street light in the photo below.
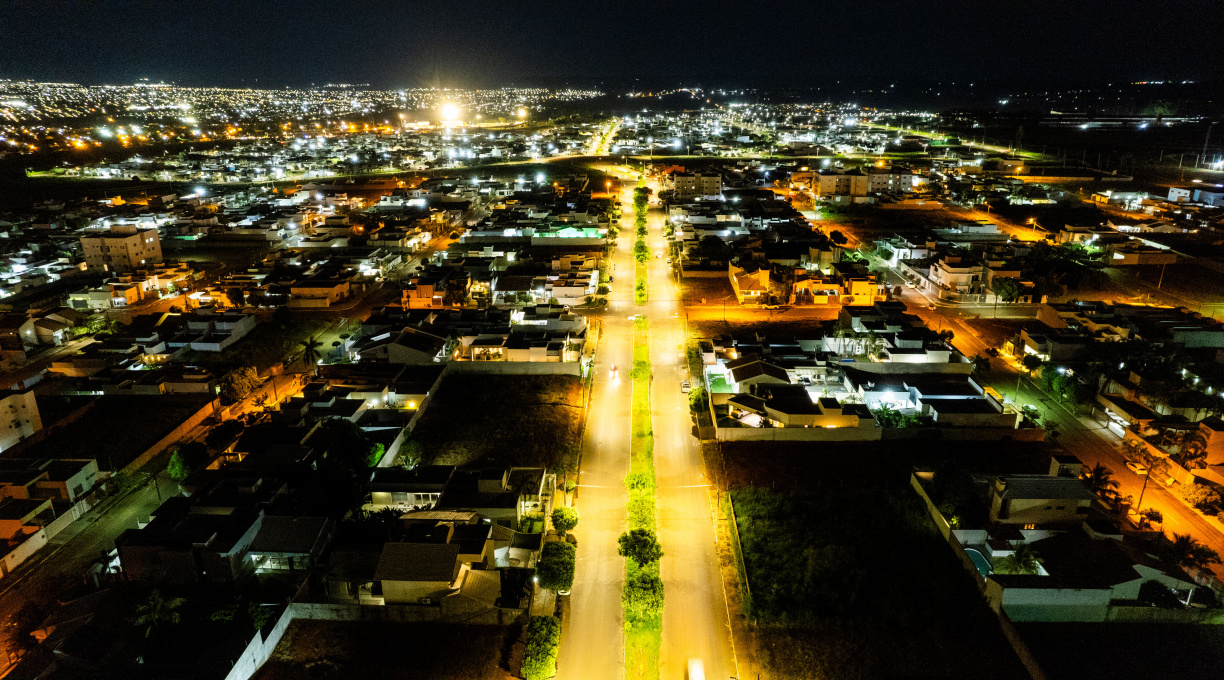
(449, 111)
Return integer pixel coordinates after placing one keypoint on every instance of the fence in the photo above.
(261, 646)
(174, 436)
(516, 367)
(1009, 629)
(740, 565)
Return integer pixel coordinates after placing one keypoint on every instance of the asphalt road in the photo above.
(592, 639)
(695, 615)
(695, 623)
(1086, 438)
(62, 563)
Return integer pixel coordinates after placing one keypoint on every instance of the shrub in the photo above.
(564, 519)
(555, 569)
(640, 510)
(640, 545)
(1204, 498)
(698, 400)
(639, 481)
(540, 654)
(642, 597)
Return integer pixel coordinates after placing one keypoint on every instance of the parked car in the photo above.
(910, 284)
(669, 261)
(1136, 467)
(685, 386)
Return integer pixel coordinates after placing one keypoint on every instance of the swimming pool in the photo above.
(979, 561)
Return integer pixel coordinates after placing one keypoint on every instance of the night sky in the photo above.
(584, 42)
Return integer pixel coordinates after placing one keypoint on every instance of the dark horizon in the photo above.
(470, 43)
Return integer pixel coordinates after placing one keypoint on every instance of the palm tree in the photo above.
(1023, 560)
(1100, 481)
(310, 354)
(1192, 452)
(157, 610)
(1189, 553)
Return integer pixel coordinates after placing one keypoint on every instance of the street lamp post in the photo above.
(1139, 503)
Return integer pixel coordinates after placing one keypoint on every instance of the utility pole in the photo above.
(1205, 139)
(1161, 280)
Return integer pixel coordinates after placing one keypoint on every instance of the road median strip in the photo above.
(642, 597)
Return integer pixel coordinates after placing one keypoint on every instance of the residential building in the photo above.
(1036, 501)
(686, 185)
(21, 418)
(841, 183)
(123, 248)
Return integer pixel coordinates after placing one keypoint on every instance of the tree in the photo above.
(124, 482)
(1152, 516)
(157, 610)
(540, 652)
(952, 488)
(310, 354)
(640, 545)
(1031, 362)
(224, 434)
(235, 296)
(838, 238)
(1189, 553)
(177, 469)
(410, 454)
(1023, 560)
(555, 569)
(1192, 450)
(1100, 481)
(1204, 498)
(642, 597)
(238, 383)
(22, 623)
(698, 399)
(1007, 290)
(981, 364)
(564, 519)
(641, 252)
(711, 248)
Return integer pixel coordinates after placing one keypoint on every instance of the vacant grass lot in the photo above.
(117, 429)
(335, 650)
(263, 347)
(525, 420)
(849, 578)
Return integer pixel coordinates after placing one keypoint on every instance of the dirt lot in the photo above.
(335, 650)
(495, 420)
(783, 325)
(698, 291)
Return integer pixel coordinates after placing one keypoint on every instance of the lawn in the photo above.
(848, 576)
(327, 650)
(523, 420)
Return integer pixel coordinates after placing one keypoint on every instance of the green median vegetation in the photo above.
(642, 597)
